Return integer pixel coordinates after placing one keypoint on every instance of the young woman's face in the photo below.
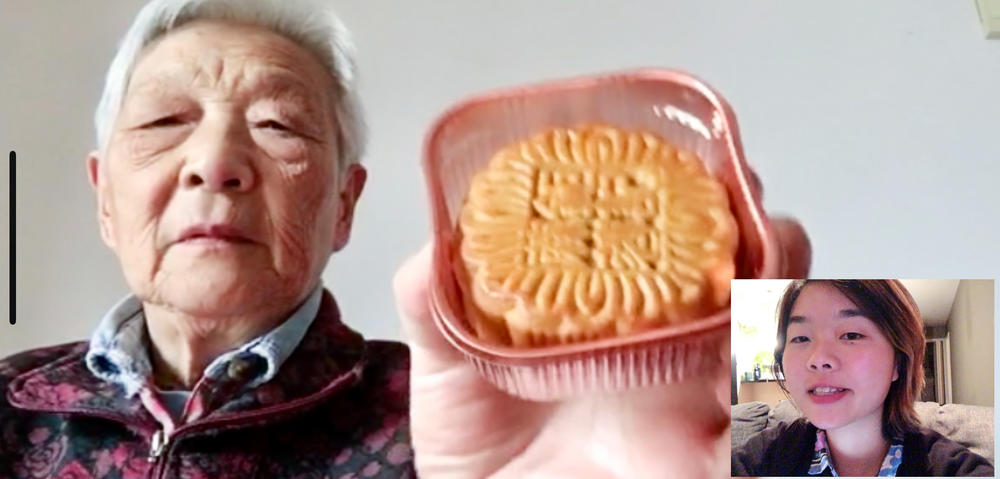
(838, 365)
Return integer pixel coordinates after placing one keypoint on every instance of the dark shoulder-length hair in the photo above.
(888, 304)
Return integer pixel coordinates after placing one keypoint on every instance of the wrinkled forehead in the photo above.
(230, 57)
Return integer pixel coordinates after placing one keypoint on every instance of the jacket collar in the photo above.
(329, 359)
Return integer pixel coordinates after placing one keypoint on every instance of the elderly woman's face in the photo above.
(220, 187)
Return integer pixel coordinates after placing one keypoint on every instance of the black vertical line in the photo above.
(13, 236)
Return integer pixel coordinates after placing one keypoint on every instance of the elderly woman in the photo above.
(227, 172)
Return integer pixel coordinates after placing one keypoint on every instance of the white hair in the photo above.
(309, 24)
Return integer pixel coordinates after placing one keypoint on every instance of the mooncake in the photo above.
(589, 232)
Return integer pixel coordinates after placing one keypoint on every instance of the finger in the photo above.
(723, 389)
(411, 286)
(795, 248)
(756, 185)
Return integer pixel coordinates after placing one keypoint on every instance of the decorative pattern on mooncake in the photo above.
(590, 232)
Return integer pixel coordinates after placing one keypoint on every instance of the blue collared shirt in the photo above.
(119, 348)
(823, 460)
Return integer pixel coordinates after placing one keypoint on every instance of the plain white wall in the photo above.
(971, 327)
(874, 122)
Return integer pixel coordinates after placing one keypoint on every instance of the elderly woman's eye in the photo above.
(164, 122)
(273, 125)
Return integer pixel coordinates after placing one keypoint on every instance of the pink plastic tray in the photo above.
(672, 104)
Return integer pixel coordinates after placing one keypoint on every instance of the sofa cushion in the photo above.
(784, 411)
(970, 426)
(747, 419)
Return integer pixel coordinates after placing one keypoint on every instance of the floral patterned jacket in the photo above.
(338, 408)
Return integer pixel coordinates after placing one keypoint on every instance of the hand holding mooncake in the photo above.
(586, 232)
(572, 319)
(463, 426)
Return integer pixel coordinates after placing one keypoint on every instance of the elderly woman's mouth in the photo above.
(214, 234)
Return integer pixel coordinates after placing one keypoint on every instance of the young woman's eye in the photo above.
(852, 336)
(798, 339)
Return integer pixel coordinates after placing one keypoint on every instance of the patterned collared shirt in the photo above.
(823, 459)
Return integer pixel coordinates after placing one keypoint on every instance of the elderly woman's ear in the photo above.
(103, 215)
(352, 182)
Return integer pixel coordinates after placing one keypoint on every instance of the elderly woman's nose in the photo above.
(219, 159)
(822, 357)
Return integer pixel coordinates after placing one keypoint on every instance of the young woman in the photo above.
(852, 353)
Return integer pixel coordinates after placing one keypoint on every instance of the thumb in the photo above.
(795, 247)
(430, 350)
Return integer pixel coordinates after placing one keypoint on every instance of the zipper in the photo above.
(162, 443)
(159, 442)
(158, 445)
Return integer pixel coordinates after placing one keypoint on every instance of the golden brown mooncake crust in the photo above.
(590, 232)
